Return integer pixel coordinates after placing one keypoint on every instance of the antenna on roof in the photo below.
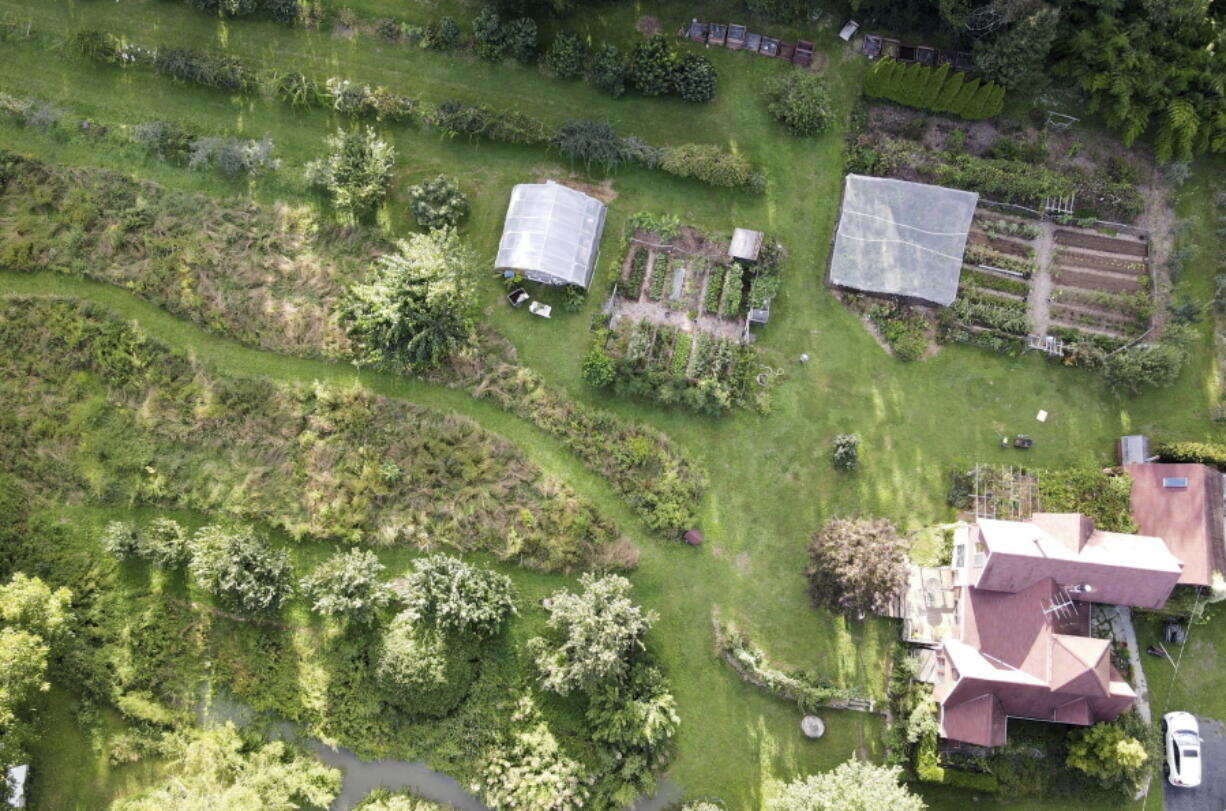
(1060, 605)
(1080, 588)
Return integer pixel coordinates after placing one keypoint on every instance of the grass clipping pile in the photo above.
(94, 408)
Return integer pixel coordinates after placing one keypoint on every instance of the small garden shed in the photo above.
(901, 239)
(746, 244)
(552, 234)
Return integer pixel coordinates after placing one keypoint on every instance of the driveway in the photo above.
(1210, 795)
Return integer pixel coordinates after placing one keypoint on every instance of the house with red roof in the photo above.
(1020, 645)
(1182, 504)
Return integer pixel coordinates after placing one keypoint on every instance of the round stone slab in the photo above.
(812, 726)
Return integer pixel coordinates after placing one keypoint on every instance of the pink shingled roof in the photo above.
(980, 721)
(1135, 570)
(1188, 519)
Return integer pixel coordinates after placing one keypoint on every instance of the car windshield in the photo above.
(1186, 738)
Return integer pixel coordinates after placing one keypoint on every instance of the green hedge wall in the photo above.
(935, 89)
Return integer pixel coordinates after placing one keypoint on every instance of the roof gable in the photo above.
(1080, 665)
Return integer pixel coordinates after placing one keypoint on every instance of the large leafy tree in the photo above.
(856, 565)
(593, 635)
(1110, 754)
(1151, 66)
(418, 307)
(421, 669)
(241, 568)
(851, 786)
(458, 597)
(1017, 56)
(32, 618)
(216, 768)
(348, 585)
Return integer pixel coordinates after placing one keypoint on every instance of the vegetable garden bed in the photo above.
(1096, 280)
(1094, 242)
(1096, 261)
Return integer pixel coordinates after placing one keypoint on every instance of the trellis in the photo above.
(1005, 493)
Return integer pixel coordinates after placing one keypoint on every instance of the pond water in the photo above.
(363, 776)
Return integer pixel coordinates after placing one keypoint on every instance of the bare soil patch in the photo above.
(1080, 239)
(647, 25)
(603, 191)
(1003, 245)
(1097, 280)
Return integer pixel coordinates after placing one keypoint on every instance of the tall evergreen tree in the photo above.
(949, 94)
(932, 88)
(962, 103)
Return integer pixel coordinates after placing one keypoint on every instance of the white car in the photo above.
(1181, 735)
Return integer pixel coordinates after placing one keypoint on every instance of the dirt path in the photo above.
(1040, 282)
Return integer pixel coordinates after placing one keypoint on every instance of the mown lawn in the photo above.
(771, 483)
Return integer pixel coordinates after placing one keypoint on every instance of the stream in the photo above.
(363, 776)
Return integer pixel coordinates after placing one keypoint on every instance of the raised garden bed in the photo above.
(1002, 244)
(1097, 280)
(1094, 242)
(1097, 261)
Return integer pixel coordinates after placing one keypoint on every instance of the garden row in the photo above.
(673, 367)
(1110, 191)
(1106, 293)
(693, 283)
(589, 142)
(653, 67)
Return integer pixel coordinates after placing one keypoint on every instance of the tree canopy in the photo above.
(419, 305)
(347, 585)
(850, 786)
(593, 634)
(458, 597)
(856, 565)
(240, 567)
(215, 768)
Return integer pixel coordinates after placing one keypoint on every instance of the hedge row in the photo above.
(1205, 453)
(707, 163)
(934, 89)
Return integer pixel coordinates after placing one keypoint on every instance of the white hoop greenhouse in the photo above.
(552, 234)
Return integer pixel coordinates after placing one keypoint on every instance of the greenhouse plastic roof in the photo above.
(552, 234)
(901, 238)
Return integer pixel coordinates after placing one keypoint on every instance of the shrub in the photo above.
(711, 164)
(457, 597)
(1144, 366)
(851, 785)
(905, 332)
(421, 670)
(97, 45)
(347, 585)
(637, 718)
(166, 140)
(120, 541)
(519, 37)
(1205, 453)
(845, 452)
(1108, 753)
(609, 70)
(232, 155)
(213, 70)
(530, 772)
(239, 567)
(295, 89)
(488, 36)
(592, 635)
(356, 172)
(454, 117)
(694, 78)
(438, 203)
(164, 543)
(800, 101)
(1089, 491)
(593, 142)
(599, 369)
(652, 67)
(856, 565)
(566, 56)
(443, 35)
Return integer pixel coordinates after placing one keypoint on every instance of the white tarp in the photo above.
(552, 234)
(901, 238)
